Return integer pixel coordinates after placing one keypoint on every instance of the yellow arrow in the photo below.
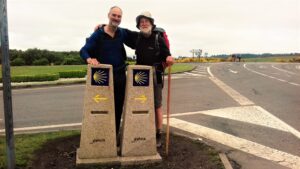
(142, 98)
(98, 98)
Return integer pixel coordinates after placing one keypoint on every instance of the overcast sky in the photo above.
(215, 26)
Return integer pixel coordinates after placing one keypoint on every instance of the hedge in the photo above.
(47, 77)
(72, 74)
(34, 78)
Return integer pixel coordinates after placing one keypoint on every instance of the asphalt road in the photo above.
(250, 111)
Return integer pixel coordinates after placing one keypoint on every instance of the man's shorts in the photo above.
(157, 91)
(157, 95)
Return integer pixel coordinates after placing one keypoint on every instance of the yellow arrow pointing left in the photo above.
(98, 98)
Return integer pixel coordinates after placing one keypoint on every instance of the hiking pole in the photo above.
(168, 111)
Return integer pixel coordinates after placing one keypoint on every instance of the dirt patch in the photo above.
(183, 153)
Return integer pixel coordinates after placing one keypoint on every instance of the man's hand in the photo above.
(169, 60)
(92, 61)
(98, 26)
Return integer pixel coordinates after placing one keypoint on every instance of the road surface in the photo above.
(250, 111)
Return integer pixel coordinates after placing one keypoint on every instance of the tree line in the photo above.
(36, 56)
(250, 55)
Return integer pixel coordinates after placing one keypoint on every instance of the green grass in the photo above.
(26, 144)
(180, 67)
(38, 70)
(269, 59)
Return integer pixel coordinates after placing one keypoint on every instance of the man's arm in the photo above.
(130, 38)
(165, 52)
(91, 43)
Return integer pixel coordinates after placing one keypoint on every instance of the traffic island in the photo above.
(183, 153)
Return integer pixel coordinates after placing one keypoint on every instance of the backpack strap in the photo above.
(156, 45)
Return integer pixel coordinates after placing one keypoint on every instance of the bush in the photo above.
(35, 78)
(72, 74)
(73, 61)
(295, 59)
(18, 62)
(42, 61)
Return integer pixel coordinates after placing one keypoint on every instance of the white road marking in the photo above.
(283, 70)
(209, 72)
(193, 74)
(177, 77)
(248, 114)
(298, 67)
(232, 71)
(262, 67)
(280, 157)
(232, 93)
(244, 101)
(199, 71)
(44, 127)
(290, 128)
(292, 83)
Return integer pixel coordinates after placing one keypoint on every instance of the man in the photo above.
(105, 46)
(150, 53)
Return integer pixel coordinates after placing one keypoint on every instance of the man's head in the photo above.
(115, 16)
(145, 23)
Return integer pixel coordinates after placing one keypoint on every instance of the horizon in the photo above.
(217, 27)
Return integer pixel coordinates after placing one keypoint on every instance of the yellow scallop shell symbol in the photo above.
(140, 78)
(99, 76)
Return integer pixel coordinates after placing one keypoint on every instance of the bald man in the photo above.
(106, 46)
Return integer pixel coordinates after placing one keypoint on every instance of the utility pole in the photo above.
(7, 99)
(199, 52)
(193, 52)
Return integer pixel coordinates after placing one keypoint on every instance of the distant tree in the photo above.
(31, 54)
(18, 62)
(73, 60)
(42, 61)
(13, 54)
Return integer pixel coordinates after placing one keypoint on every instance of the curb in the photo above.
(46, 83)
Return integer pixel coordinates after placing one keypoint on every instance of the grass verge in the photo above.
(270, 59)
(26, 144)
(32, 71)
(181, 67)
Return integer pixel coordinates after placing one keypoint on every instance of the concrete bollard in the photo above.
(98, 133)
(138, 141)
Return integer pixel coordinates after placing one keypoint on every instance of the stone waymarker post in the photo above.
(138, 144)
(98, 133)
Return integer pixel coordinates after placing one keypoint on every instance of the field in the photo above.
(41, 70)
(270, 59)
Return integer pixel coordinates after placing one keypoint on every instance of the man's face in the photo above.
(115, 17)
(145, 25)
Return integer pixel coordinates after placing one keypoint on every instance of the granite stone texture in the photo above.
(138, 134)
(98, 133)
